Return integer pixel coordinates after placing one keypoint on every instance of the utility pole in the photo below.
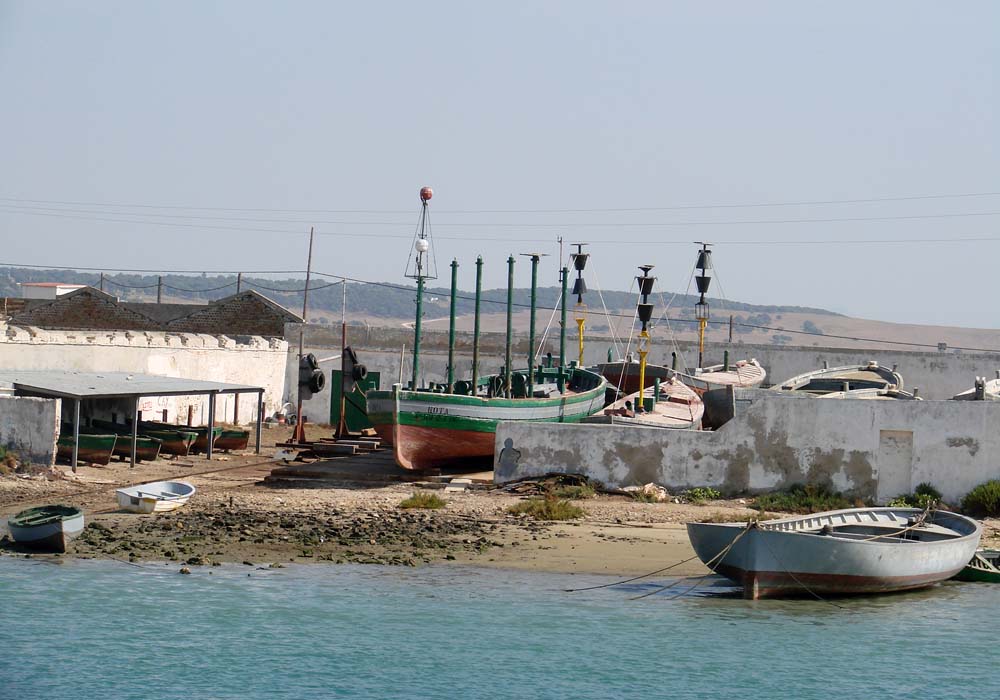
(159, 289)
(299, 434)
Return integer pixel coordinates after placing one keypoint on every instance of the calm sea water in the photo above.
(108, 630)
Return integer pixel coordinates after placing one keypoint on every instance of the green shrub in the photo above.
(803, 499)
(700, 494)
(645, 497)
(548, 508)
(424, 500)
(923, 496)
(574, 492)
(984, 500)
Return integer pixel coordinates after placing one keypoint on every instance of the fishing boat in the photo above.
(663, 402)
(232, 439)
(982, 390)
(984, 567)
(200, 433)
(843, 379)
(876, 394)
(742, 374)
(852, 551)
(46, 528)
(172, 442)
(146, 448)
(428, 429)
(676, 406)
(155, 497)
(454, 423)
(94, 448)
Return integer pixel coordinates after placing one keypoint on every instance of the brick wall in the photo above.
(89, 309)
(240, 315)
(84, 310)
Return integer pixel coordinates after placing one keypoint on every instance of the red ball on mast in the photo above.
(426, 193)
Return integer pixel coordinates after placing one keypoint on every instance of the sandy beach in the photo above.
(236, 517)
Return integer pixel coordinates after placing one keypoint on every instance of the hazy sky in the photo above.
(209, 136)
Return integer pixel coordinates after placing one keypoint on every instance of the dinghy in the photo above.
(984, 567)
(842, 379)
(155, 497)
(857, 550)
(677, 406)
(46, 528)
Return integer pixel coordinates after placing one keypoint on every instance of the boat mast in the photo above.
(475, 330)
(535, 257)
(580, 288)
(563, 276)
(645, 310)
(701, 311)
(451, 327)
(508, 359)
(422, 271)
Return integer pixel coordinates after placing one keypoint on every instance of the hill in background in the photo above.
(609, 312)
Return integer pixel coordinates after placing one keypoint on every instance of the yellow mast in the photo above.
(580, 288)
(645, 311)
(701, 311)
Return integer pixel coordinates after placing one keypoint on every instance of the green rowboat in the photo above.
(93, 448)
(984, 567)
(46, 528)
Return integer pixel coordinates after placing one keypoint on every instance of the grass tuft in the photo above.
(548, 508)
(427, 501)
(804, 499)
(700, 494)
(574, 492)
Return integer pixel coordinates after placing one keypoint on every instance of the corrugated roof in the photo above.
(93, 385)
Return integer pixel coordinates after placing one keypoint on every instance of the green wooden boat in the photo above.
(146, 448)
(93, 448)
(200, 443)
(232, 439)
(984, 567)
(46, 528)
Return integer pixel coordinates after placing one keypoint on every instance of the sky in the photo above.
(839, 155)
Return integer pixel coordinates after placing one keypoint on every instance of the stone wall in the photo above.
(29, 428)
(251, 360)
(874, 449)
(938, 375)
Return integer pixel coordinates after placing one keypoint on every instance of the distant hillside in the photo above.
(384, 300)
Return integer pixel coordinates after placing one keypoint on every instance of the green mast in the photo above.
(451, 327)
(508, 359)
(422, 270)
(535, 257)
(475, 331)
(564, 275)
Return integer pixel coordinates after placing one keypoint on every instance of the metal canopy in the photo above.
(77, 386)
(107, 385)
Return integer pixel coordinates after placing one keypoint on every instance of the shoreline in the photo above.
(237, 518)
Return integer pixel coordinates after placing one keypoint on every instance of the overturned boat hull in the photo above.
(846, 552)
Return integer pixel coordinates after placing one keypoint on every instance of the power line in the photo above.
(103, 216)
(466, 297)
(676, 207)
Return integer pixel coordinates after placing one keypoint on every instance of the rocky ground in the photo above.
(236, 517)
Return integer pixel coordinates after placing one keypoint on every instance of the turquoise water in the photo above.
(108, 630)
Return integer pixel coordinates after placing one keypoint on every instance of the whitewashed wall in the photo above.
(29, 427)
(251, 360)
(875, 449)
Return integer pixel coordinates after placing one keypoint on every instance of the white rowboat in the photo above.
(155, 497)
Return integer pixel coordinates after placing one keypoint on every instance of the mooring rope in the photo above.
(709, 563)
